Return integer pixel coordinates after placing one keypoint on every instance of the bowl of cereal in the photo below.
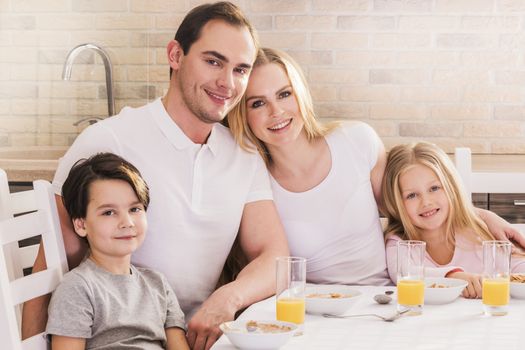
(517, 286)
(330, 299)
(442, 290)
(258, 335)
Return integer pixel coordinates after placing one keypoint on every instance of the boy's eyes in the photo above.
(108, 212)
(136, 209)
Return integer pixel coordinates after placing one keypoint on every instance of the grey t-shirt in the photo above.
(114, 311)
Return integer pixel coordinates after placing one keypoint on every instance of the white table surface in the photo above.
(458, 325)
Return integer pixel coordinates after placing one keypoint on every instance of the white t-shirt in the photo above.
(198, 193)
(336, 224)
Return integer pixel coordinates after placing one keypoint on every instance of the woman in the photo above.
(326, 180)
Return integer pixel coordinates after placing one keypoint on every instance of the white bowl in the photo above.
(260, 338)
(334, 299)
(517, 289)
(449, 293)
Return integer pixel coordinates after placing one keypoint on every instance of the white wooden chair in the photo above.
(488, 182)
(40, 218)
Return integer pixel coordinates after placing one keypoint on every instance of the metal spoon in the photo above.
(390, 318)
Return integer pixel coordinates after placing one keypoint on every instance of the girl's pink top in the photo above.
(468, 256)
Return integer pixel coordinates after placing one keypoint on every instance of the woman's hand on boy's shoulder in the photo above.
(473, 289)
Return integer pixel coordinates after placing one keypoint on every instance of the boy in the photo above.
(106, 302)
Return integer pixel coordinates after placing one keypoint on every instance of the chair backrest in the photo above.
(40, 218)
(487, 182)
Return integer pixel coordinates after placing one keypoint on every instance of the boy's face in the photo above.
(115, 222)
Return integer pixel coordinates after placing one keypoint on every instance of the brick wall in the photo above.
(448, 71)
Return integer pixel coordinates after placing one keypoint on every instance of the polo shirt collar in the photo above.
(175, 135)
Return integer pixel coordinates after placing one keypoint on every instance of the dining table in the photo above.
(460, 324)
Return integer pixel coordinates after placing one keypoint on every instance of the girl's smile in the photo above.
(424, 198)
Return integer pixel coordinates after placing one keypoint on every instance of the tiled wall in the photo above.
(449, 71)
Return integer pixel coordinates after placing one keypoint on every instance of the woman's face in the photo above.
(272, 110)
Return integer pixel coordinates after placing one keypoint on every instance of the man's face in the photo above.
(213, 75)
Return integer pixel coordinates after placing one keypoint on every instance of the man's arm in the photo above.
(262, 239)
(34, 312)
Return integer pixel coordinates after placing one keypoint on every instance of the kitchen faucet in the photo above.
(66, 73)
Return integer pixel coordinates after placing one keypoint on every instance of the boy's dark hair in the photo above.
(191, 27)
(102, 166)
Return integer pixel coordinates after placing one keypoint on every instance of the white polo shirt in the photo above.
(197, 192)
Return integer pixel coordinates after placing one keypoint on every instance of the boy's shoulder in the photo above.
(148, 273)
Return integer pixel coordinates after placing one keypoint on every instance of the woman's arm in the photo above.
(500, 228)
(59, 342)
(176, 339)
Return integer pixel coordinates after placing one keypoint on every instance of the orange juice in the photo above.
(290, 310)
(495, 291)
(410, 292)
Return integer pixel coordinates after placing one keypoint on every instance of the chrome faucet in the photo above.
(66, 73)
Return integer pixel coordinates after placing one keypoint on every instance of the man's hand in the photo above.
(203, 328)
(473, 289)
(501, 229)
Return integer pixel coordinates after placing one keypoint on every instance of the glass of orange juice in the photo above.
(496, 277)
(410, 276)
(291, 282)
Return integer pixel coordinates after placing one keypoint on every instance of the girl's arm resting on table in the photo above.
(176, 339)
(59, 342)
(473, 289)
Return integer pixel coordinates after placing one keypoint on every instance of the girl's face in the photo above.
(424, 198)
(272, 110)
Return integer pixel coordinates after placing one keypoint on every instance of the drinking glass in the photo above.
(291, 282)
(410, 276)
(496, 277)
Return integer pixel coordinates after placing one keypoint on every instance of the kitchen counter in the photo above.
(25, 164)
(32, 163)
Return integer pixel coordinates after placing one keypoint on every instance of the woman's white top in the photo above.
(335, 225)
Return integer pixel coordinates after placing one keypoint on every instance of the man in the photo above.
(204, 188)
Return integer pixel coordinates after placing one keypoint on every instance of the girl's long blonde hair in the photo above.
(461, 211)
(237, 118)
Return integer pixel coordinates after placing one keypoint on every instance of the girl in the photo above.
(424, 200)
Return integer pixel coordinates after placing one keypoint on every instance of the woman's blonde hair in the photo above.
(237, 118)
(461, 211)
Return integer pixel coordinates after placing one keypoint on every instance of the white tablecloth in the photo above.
(458, 325)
